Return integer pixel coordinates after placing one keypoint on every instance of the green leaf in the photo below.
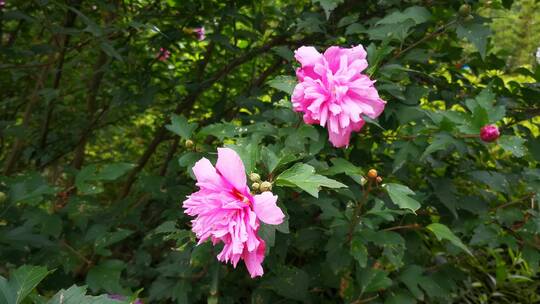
(441, 142)
(77, 295)
(372, 279)
(181, 127)
(106, 276)
(418, 14)
(283, 83)
(304, 177)
(290, 282)
(89, 177)
(401, 196)
(477, 33)
(328, 5)
(21, 283)
(444, 233)
(513, 144)
(359, 251)
(109, 50)
(30, 188)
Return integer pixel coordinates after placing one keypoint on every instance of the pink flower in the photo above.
(333, 92)
(163, 54)
(200, 33)
(489, 133)
(2, 3)
(225, 211)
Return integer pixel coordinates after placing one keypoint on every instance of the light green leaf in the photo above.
(444, 233)
(181, 127)
(304, 177)
(283, 83)
(401, 196)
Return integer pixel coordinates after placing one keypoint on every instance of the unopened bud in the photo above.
(2, 197)
(379, 179)
(255, 186)
(254, 177)
(189, 143)
(266, 186)
(465, 10)
(372, 174)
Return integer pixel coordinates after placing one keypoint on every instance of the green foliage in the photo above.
(99, 134)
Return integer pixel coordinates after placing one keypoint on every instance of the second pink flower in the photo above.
(333, 92)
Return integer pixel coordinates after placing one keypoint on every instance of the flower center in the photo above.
(237, 194)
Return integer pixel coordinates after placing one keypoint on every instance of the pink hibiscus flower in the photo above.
(200, 32)
(333, 92)
(163, 54)
(225, 211)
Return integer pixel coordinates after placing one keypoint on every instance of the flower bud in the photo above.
(379, 179)
(189, 143)
(255, 186)
(464, 10)
(489, 133)
(266, 186)
(254, 177)
(2, 197)
(372, 174)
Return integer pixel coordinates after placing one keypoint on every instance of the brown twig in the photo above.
(411, 226)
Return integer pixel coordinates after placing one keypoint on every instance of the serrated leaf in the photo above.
(401, 196)
(181, 127)
(359, 251)
(304, 177)
(418, 14)
(444, 233)
(77, 295)
(106, 276)
(21, 282)
(328, 5)
(476, 33)
(513, 144)
(283, 83)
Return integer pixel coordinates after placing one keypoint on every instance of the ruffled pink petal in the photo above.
(254, 259)
(266, 209)
(206, 175)
(340, 139)
(307, 56)
(231, 167)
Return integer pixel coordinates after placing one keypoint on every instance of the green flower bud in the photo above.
(254, 177)
(266, 186)
(464, 10)
(255, 186)
(189, 143)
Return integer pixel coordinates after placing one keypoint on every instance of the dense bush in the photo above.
(107, 105)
